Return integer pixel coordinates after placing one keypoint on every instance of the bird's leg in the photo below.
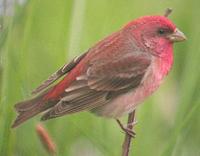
(126, 129)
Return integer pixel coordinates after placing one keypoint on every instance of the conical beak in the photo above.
(177, 36)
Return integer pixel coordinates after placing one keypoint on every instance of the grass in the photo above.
(43, 35)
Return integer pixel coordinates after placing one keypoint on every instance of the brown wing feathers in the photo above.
(97, 88)
(76, 100)
(59, 73)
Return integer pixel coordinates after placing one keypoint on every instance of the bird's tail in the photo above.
(29, 108)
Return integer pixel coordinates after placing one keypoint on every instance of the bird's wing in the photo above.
(104, 80)
(59, 73)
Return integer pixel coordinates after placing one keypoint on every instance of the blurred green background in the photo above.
(38, 36)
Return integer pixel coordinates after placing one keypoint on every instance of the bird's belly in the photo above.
(127, 102)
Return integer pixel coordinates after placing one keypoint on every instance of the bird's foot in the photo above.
(128, 129)
(132, 124)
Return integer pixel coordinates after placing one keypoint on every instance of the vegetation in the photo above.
(43, 35)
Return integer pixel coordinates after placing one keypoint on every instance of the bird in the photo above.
(112, 77)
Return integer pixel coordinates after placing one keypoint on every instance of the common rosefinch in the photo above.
(112, 77)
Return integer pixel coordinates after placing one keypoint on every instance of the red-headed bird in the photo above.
(112, 77)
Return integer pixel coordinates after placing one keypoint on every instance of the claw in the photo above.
(129, 132)
(126, 129)
(132, 124)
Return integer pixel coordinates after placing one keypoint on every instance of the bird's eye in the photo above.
(161, 31)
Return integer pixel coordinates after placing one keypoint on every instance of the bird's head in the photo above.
(154, 33)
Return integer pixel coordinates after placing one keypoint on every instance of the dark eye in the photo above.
(161, 31)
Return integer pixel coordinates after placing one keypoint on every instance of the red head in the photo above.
(154, 33)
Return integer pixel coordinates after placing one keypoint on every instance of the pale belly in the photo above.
(127, 102)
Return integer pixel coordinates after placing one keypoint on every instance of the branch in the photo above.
(168, 11)
(127, 139)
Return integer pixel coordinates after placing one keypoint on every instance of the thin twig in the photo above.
(168, 11)
(127, 139)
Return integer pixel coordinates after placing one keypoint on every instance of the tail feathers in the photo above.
(28, 109)
(23, 116)
(28, 104)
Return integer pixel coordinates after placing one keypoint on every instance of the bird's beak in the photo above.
(177, 36)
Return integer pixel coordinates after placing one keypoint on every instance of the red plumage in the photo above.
(113, 76)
